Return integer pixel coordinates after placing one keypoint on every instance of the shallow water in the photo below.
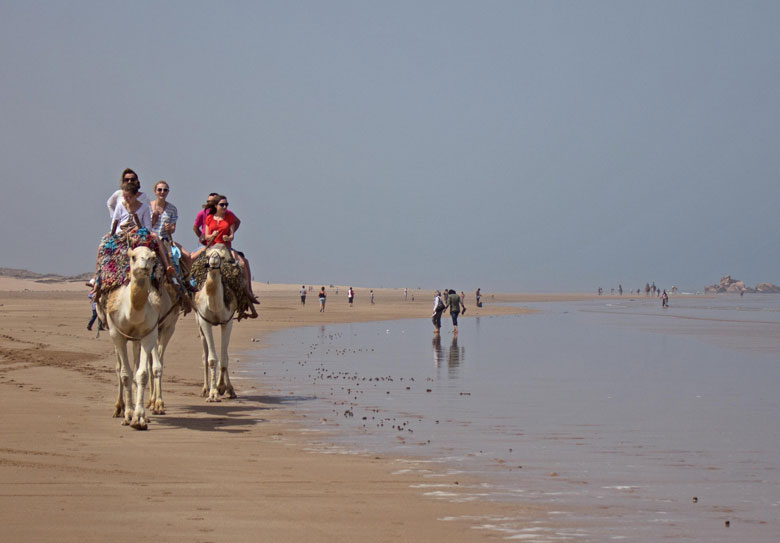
(614, 414)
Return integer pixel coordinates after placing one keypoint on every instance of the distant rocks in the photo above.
(727, 284)
(768, 288)
(43, 277)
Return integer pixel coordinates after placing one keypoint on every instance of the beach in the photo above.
(203, 471)
(586, 419)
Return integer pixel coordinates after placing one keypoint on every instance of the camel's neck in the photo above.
(214, 288)
(139, 293)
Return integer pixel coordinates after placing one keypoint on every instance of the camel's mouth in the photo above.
(142, 272)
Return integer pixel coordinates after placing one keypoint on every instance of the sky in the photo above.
(528, 146)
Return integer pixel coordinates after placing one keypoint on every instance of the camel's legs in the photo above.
(205, 358)
(125, 372)
(208, 334)
(119, 406)
(223, 382)
(156, 397)
(148, 349)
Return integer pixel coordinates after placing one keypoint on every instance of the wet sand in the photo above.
(237, 470)
(615, 402)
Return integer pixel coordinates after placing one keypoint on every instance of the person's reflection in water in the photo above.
(454, 357)
(438, 352)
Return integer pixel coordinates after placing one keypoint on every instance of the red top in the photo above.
(223, 227)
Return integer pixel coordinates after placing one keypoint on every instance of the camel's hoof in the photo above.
(205, 393)
(159, 408)
(138, 423)
(232, 394)
(213, 398)
(221, 389)
(118, 412)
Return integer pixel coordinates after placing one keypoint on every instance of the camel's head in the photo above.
(217, 255)
(142, 261)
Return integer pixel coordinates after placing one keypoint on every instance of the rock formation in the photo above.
(767, 288)
(727, 284)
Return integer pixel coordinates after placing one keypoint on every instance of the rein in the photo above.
(212, 323)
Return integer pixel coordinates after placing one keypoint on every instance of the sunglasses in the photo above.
(222, 205)
(163, 190)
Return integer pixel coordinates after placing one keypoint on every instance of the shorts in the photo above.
(303, 299)
(455, 318)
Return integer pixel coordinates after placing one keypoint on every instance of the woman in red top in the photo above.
(220, 226)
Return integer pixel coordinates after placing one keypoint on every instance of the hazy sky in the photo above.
(511, 145)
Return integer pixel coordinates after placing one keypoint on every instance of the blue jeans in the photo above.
(92, 320)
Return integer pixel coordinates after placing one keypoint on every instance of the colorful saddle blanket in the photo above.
(113, 264)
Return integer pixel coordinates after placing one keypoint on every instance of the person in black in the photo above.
(438, 309)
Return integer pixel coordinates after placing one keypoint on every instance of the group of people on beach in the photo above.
(650, 290)
(323, 296)
(131, 209)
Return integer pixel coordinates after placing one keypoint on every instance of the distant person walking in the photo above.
(94, 318)
(303, 294)
(350, 296)
(438, 309)
(479, 297)
(453, 302)
(462, 300)
(664, 299)
(322, 297)
(372, 296)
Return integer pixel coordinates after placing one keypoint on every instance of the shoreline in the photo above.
(202, 472)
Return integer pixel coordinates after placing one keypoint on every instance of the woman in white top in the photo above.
(164, 214)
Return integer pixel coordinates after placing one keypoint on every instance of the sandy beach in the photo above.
(203, 471)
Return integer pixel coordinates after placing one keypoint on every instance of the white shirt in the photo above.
(144, 213)
(117, 197)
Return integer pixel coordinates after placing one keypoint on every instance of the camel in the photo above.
(133, 312)
(213, 310)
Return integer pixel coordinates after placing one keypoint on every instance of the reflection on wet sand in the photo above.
(455, 355)
(438, 352)
(454, 358)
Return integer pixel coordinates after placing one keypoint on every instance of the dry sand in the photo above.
(229, 471)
